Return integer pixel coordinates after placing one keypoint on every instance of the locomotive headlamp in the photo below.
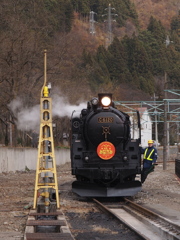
(86, 158)
(106, 101)
(125, 158)
(94, 101)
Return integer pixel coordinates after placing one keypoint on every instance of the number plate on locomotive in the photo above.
(105, 119)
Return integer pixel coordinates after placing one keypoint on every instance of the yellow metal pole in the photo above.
(45, 72)
(46, 164)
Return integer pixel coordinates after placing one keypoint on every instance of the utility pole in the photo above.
(10, 132)
(166, 123)
(156, 128)
(92, 21)
(165, 148)
(109, 26)
(177, 124)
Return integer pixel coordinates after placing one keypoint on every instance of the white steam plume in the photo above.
(29, 118)
(26, 118)
(62, 108)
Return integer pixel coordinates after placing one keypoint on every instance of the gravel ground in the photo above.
(161, 190)
(161, 187)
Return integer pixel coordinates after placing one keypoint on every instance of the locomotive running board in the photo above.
(92, 190)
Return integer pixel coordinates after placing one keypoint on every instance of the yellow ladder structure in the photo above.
(46, 174)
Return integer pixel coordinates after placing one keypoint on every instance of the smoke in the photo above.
(29, 118)
(26, 118)
(62, 108)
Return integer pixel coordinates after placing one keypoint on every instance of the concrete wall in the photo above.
(173, 151)
(17, 159)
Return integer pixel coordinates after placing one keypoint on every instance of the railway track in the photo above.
(46, 226)
(147, 224)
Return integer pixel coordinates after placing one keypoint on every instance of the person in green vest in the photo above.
(149, 160)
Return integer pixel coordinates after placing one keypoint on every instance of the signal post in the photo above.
(46, 174)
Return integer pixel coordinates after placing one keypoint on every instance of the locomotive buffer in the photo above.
(46, 174)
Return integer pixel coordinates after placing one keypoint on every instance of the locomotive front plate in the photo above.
(105, 119)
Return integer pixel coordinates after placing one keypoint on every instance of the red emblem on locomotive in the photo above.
(106, 150)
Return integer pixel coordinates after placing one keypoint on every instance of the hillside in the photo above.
(162, 10)
(80, 64)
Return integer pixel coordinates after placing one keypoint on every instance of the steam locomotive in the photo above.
(104, 158)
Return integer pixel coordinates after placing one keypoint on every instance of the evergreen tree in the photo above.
(139, 63)
(175, 31)
(138, 59)
(157, 29)
(173, 66)
(96, 66)
(155, 50)
(117, 63)
(175, 23)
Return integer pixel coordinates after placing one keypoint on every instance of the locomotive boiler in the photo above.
(104, 158)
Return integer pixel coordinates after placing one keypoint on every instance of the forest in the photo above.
(81, 64)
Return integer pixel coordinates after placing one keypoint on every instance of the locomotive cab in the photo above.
(104, 158)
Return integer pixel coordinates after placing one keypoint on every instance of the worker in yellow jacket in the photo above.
(149, 160)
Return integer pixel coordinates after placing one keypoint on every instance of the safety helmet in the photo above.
(150, 141)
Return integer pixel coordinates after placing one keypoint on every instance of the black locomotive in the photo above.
(104, 158)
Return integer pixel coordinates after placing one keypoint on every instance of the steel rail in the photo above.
(146, 223)
(166, 223)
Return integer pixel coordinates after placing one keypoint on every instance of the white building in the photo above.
(146, 127)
